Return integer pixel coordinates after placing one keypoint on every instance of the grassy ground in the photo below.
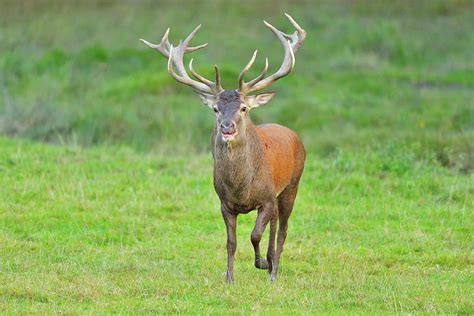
(110, 230)
(119, 214)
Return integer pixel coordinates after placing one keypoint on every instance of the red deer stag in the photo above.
(255, 167)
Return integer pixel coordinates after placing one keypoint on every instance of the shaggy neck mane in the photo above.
(237, 162)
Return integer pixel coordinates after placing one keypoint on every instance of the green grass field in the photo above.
(106, 198)
(110, 230)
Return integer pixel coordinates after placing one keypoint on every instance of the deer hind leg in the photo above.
(271, 241)
(265, 213)
(285, 207)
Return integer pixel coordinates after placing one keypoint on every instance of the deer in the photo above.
(255, 167)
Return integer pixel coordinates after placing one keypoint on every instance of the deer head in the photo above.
(231, 107)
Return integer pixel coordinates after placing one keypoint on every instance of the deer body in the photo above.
(260, 168)
(255, 167)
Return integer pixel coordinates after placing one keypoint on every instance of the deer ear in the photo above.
(208, 99)
(254, 101)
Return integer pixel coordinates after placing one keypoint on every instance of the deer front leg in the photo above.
(265, 213)
(231, 224)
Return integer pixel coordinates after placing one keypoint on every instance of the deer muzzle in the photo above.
(228, 130)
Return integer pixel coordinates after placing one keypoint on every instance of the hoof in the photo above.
(273, 275)
(261, 264)
(229, 278)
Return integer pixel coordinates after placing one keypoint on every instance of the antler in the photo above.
(291, 43)
(175, 60)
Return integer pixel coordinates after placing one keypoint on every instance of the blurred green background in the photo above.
(118, 215)
(370, 74)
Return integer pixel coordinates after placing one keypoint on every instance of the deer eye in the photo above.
(243, 109)
(215, 110)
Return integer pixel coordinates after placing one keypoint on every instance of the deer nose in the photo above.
(227, 126)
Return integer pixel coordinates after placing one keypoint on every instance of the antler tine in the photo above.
(191, 35)
(289, 53)
(185, 79)
(298, 36)
(175, 55)
(290, 44)
(218, 77)
(175, 60)
(259, 77)
(195, 48)
(164, 46)
(198, 76)
(180, 50)
(216, 86)
(244, 71)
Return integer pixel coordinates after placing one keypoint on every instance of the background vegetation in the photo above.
(382, 95)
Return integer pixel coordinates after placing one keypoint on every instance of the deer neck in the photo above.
(236, 163)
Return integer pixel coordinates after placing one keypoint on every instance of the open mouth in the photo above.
(228, 136)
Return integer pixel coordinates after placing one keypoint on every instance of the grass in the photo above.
(112, 230)
(116, 212)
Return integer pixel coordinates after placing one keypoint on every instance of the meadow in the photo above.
(106, 198)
